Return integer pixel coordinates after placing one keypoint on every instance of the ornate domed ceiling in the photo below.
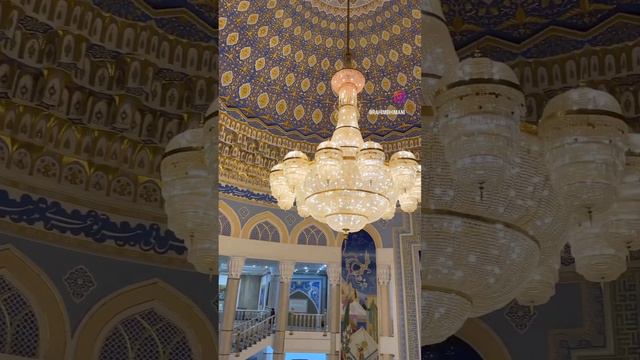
(506, 30)
(339, 7)
(90, 93)
(553, 45)
(278, 57)
(193, 20)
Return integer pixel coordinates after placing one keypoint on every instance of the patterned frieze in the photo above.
(88, 100)
(614, 69)
(247, 154)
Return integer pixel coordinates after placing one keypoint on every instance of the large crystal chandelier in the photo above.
(189, 179)
(349, 183)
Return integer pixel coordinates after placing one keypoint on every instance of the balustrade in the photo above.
(255, 325)
(246, 315)
(307, 322)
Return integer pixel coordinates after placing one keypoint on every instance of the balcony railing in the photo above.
(245, 315)
(307, 322)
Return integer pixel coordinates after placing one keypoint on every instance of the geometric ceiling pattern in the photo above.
(278, 57)
(193, 20)
(506, 30)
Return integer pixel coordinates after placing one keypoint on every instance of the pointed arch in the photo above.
(483, 340)
(153, 294)
(234, 220)
(307, 223)
(375, 235)
(272, 219)
(47, 303)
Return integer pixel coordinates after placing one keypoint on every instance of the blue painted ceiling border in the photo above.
(91, 224)
(246, 194)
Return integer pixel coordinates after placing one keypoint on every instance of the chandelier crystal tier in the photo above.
(482, 105)
(188, 189)
(622, 219)
(349, 183)
(598, 259)
(584, 134)
(483, 241)
(571, 179)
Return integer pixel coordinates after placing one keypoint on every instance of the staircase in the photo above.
(253, 330)
(244, 338)
(247, 318)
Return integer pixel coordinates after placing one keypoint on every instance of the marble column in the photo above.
(282, 314)
(385, 326)
(334, 271)
(229, 312)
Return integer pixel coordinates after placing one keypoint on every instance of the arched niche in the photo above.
(234, 220)
(308, 222)
(53, 322)
(153, 294)
(271, 218)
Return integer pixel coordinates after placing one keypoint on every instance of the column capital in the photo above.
(384, 274)
(286, 270)
(333, 273)
(236, 264)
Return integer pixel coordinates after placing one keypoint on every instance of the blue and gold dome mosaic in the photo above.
(277, 58)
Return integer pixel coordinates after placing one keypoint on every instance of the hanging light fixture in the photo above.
(583, 130)
(188, 188)
(349, 183)
(622, 220)
(598, 258)
(475, 260)
(481, 105)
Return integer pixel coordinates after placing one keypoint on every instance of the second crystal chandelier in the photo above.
(348, 184)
